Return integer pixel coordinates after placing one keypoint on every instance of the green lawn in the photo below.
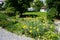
(36, 13)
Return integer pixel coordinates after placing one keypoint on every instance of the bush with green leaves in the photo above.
(8, 24)
(2, 16)
(5, 21)
(38, 5)
(55, 4)
(52, 13)
(10, 11)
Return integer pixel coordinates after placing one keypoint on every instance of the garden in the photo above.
(35, 24)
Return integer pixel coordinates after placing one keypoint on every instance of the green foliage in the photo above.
(52, 13)
(19, 5)
(55, 4)
(10, 11)
(2, 16)
(5, 21)
(9, 25)
(38, 5)
(36, 28)
(36, 13)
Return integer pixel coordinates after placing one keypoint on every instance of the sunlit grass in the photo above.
(36, 13)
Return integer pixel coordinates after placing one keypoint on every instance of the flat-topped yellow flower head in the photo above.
(30, 31)
(24, 26)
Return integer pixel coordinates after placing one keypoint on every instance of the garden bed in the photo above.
(38, 27)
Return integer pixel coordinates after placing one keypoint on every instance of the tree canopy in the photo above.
(19, 5)
(38, 5)
(54, 3)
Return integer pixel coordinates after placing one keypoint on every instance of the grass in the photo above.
(36, 13)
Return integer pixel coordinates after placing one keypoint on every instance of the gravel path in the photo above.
(5, 35)
(57, 25)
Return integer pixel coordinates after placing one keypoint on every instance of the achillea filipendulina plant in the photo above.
(38, 28)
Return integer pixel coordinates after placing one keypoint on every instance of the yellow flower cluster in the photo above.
(30, 31)
(24, 27)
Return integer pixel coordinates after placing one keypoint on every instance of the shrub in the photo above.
(10, 11)
(9, 25)
(2, 16)
(4, 22)
(38, 5)
(52, 13)
(3, 19)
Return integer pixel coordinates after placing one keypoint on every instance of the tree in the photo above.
(19, 5)
(55, 4)
(38, 5)
(51, 13)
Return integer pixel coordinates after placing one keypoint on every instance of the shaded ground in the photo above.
(24, 16)
(5, 35)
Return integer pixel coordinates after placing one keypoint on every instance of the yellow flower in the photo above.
(34, 27)
(24, 26)
(51, 26)
(37, 29)
(30, 31)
